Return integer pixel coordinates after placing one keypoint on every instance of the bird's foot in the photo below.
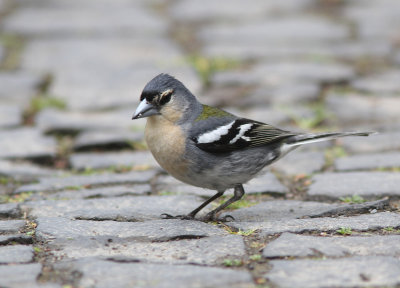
(182, 217)
(212, 217)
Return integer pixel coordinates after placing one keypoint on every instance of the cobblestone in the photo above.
(13, 144)
(349, 272)
(156, 275)
(292, 245)
(358, 223)
(16, 254)
(368, 161)
(369, 185)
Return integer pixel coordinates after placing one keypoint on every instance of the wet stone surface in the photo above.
(82, 199)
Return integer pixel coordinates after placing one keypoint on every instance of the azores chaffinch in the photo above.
(209, 147)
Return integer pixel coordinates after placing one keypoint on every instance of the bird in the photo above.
(207, 147)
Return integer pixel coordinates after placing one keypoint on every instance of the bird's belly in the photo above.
(167, 144)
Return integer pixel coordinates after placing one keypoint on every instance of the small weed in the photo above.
(37, 249)
(355, 199)
(232, 263)
(13, 47)
(166, 193)
(17, 198)
(44, 101)
(243, 203)
(317, 119)
(206, 67)
(30, 233)
(344, 231)
(4, 180)
(41, 102)
(74, 187)
(246, 233)
(256, 257)
(240, 232)
(388, 229)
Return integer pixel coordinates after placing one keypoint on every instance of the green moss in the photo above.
(232, 262)
(352, 199)
(256, 257)
(209, 111)
(42, 101)
(344, 231)
(206, 67)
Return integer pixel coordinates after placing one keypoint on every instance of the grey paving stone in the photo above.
(352, 109)
(16, 254)
(13, 144)
(284, 94)
(108, 273)
(303, 70)
(377, 20)
(288, 30)
(81, 161)
(166, 184)
(50, 120)
(204, 251)
(104, 139)
(11, 226)
(60, 229)
(10, 116)
(171, 241)
(15, 238)
(348, 272)
(134, 208)
(279, 210)
(292, 245)
(18, 87)
(365, 184)
(356, 223)
(247, 50)
(9, 210)
(300, 162)
(23, 275)
(81, 181)
(381, 142)
(382, 83)
(266, 184)
(368, 161)
(275, 115)
(233, 10)
(23, 170)
(102, 192)
(49, 21)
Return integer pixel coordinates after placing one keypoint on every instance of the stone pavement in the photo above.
(81, 197)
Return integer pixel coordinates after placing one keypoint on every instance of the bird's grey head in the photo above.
(164, 95)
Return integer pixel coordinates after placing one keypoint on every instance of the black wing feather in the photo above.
(258, 135)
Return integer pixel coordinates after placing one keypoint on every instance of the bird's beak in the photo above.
(145, 109)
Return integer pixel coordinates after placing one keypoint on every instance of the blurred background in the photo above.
(71, 73)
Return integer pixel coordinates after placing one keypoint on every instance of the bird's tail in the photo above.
(313, 138)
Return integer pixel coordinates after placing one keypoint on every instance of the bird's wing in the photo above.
(237, 134)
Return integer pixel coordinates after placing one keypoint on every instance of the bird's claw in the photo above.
(210, 217)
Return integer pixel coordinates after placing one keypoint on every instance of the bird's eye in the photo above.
(165, 97)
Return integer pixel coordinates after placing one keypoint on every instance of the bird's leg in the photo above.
(192, 214)
(238, 193)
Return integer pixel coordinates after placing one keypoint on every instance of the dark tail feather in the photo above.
(313, 138)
